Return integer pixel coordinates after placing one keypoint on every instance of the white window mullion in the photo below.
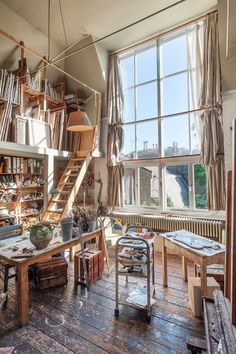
(191, 186)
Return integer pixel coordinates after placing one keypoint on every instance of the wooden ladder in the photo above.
(68, 187)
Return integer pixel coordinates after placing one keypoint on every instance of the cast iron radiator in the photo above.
(204, 227)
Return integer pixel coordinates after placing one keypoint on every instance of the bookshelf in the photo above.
(22, 190)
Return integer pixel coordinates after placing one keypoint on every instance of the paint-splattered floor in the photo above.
(72, 320)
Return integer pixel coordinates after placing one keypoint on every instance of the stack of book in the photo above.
(20, 165)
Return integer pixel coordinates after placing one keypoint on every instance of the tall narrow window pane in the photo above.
(147, 101)
(173, 55)
(146, 65)
(177, 186)
(147, 140)
(174, 94)
(200, 181)
(175, 135)
(128, 151)
(129, 186)
(129, 114)
(149, 186)
(127, 71)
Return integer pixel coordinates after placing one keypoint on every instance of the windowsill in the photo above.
(203, 214)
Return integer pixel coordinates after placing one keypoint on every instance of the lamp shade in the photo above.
(79, 122)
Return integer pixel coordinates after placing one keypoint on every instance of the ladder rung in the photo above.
(69, 184)
(68, 174)
(54, 211)
(59, 201)
(74, 168)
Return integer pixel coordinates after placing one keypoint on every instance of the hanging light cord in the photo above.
(227, 30)
(63, 23)
(49, 29)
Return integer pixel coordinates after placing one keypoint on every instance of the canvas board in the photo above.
(39, 133)
(21, 130)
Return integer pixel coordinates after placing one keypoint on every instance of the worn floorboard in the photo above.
(71, 320)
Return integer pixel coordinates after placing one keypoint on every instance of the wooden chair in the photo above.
(6, 233)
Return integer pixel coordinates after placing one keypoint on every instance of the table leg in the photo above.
(23, 294)
(184, 269)
(164, 263)
(72, 253)
(76, 269)
(204, 279)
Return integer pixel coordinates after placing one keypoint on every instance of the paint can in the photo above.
(66, 229)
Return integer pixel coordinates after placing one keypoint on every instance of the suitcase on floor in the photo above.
(51, 272)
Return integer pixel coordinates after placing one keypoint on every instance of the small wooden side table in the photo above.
(203, 257)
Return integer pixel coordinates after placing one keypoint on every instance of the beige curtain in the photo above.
(115, 134)
(212, 144)
(195, 63)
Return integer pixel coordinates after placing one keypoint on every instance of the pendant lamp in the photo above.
(79, 122)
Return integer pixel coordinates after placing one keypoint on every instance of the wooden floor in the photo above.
(69, 320)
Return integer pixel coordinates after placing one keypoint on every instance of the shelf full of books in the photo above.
(21, 190)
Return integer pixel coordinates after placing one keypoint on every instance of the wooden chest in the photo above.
(52, 272)
(94, 263)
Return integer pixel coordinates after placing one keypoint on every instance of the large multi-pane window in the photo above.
(160, 122)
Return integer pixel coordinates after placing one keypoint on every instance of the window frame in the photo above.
(162, 160)
(162, 163)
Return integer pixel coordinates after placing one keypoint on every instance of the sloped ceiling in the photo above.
(101, 17)
(28, 21)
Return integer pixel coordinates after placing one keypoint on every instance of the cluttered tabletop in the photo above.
(196, 243)
(19, 248)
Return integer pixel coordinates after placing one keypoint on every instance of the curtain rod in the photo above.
(157, 36)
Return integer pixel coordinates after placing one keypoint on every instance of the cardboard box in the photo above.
(195, 293)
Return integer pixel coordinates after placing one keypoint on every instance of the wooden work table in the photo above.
(55, 246)
(203, 257)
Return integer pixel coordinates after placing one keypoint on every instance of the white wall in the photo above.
(89, 66)
(228, 69)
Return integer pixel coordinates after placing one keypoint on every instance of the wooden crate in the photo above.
(52, 272)
(195, 293)
(94, 263)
